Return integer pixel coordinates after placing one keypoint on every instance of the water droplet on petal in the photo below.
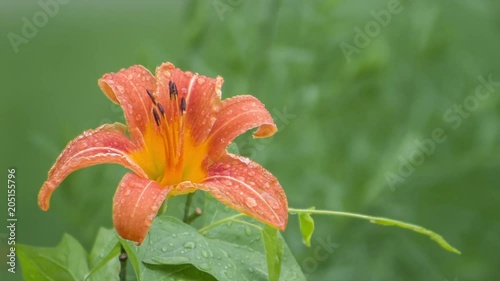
(270, 200)
(127, 193)
(250, 202)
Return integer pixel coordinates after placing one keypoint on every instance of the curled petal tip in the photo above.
(265, 131)
(44, 196)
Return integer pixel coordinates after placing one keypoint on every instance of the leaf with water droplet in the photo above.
(233, 256)
(189, 245)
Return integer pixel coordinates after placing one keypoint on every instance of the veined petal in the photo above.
(128, 88)
(106, 144)
(236, 116)
(135, 205)
(248, 188)
(202, 94)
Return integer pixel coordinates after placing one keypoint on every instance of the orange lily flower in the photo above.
(178, 132)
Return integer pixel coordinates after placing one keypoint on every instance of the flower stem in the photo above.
(123, 263)
(382, 221)
(187, 207)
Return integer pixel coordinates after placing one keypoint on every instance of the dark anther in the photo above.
(172, 89)
(150, 94)
(157, 117)
(162, 110)
(183, 105)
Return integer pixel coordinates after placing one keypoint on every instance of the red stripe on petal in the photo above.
(128, 88)
(135, 205)
(248, 188)
(202, 95)
(236, 116)
(106, 144)
(203, 103)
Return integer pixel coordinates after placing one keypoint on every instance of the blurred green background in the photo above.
(346, 121)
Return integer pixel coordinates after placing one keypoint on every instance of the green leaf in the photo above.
(274, 251)
(434, 236)
(306, 224)
(171, 241)
(67, 261)
(104, 257)
(146, 272)
(383, 221)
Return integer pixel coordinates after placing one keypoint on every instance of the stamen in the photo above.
(183, 105)
(172, 89)
(151, 96)
(162, 110)
(157, 117)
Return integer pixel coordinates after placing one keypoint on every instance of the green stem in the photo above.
(189, 201)
(123, 263)
(382, 221)
(219, 222)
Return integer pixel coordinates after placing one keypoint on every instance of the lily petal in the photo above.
(135, 205)
(248, 188)
(128, 88)
(202, 94)
(236, 116)
(106, 144)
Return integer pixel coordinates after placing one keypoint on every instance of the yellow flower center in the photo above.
(169, 155)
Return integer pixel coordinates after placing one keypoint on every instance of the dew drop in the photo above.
(171, 244)
(164, 249)
(204, 254)
(127, 193)
(270, 200)
(189, 245)
(204, 266)
(250, 202)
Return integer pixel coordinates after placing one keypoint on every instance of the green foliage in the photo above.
(228, 248)
(69, 261)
